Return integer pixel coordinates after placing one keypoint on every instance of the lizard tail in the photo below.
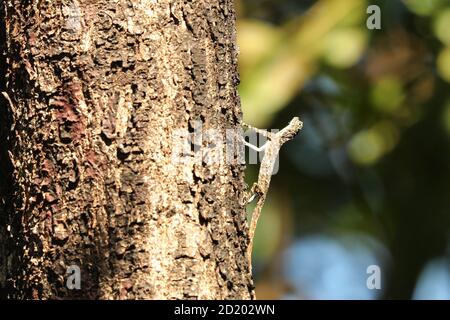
(253, 225)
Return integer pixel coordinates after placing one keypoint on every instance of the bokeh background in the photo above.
(367, 182)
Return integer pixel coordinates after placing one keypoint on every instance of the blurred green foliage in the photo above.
(374, 154)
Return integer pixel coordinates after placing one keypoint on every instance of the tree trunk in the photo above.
(96, 90)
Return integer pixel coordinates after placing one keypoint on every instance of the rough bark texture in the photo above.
(97, 89)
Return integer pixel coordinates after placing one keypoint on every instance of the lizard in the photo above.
(271, 149)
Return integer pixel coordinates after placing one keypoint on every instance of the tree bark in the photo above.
(96, 89)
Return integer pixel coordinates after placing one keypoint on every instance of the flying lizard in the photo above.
(271, 149)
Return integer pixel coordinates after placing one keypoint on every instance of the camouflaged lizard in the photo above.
(271, 149)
